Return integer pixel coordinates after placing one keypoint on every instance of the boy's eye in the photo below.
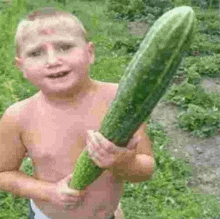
(65, 47)
(62, 48)
(35, 53)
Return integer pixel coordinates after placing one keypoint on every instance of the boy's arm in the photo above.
(12, 151)
(142, 166)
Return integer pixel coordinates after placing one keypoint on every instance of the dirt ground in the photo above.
(202, 154)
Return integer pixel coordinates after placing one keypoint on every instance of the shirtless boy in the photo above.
(52, 125)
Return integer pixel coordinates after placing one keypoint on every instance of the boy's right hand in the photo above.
(61, 194)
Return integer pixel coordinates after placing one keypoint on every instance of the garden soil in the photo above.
(203, 154)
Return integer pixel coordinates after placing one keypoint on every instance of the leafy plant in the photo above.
(144, 10)
(199, 121)
(203, 65)
(199, 109)
(109, 69)
(205, 3)
(185, 94)
(129, 45)
(126, 7)
(202, 44)
(193, 77)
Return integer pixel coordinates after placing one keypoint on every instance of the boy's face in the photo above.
(48, 51)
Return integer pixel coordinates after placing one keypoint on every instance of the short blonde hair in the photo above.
(42, 14)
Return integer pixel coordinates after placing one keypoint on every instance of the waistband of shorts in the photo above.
(38, 213)
(34, 207)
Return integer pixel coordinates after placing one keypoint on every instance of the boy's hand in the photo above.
(61, 194)
(106, 154)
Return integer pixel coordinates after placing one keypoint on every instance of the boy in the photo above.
(52, 125)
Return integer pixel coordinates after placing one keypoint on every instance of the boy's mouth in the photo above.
(59, 75)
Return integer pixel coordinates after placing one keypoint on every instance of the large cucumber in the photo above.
(142, 85)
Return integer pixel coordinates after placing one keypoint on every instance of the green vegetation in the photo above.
(199, 110)
(166, 195)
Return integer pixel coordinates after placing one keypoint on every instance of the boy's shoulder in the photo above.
(108, 90)
(20, 108)
(107, 85)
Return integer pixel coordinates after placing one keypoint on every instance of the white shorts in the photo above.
(38, 213)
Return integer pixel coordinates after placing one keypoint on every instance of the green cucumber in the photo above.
(144, 82)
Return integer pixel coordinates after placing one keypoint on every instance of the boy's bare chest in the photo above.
(55, 140)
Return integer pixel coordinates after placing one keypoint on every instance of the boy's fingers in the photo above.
(77, 192)
(68, 177)
(92, 137)
(100, 137)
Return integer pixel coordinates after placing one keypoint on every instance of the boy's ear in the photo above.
(91, 50)
(18, 63)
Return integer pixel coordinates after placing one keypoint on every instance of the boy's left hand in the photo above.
(106, 154)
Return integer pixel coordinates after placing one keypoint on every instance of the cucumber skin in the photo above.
(139, 89)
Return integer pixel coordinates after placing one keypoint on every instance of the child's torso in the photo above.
(54, 140)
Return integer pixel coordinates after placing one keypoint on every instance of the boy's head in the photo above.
(49, 42)
(47, 17)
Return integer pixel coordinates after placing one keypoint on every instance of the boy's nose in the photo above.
(51, 58)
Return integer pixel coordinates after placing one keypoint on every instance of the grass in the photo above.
(166, 195)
